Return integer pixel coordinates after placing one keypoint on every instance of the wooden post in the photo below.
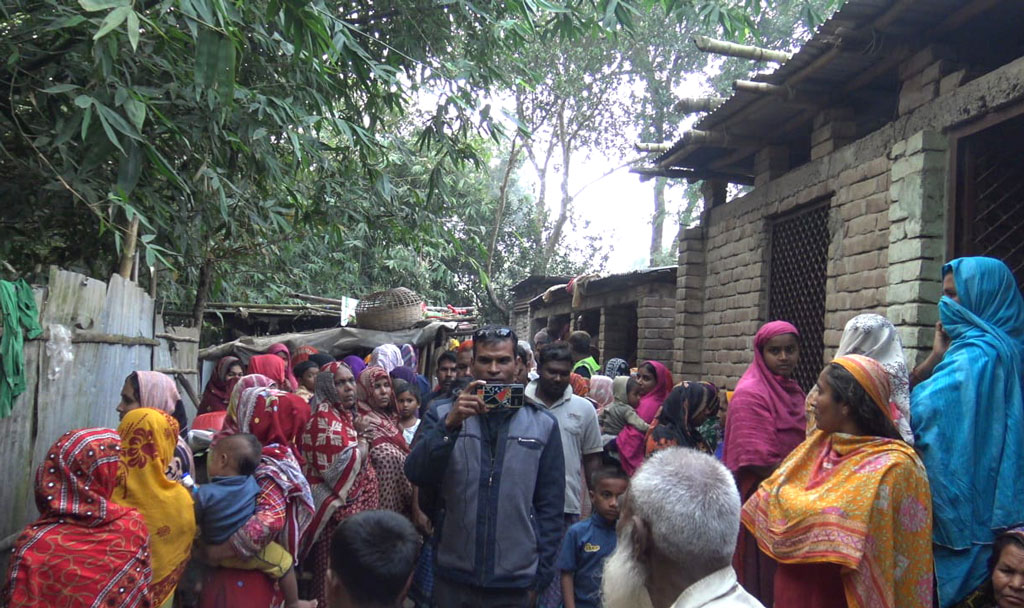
(128, 253)
(731, 49)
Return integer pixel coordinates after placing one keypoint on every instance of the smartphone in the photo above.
(502, 396)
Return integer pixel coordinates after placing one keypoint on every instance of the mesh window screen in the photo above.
(799, 253)
(990, 196)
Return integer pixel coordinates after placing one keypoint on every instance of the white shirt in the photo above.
(410, 432)
(581, 435)
(719, 589)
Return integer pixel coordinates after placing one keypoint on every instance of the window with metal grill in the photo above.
(989, 214)
(796, 286)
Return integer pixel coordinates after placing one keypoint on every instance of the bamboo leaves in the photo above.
(215, 64)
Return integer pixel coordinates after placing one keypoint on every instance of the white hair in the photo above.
(690, 503)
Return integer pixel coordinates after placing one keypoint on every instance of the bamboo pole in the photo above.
(128, 253)
(692, 105)
(731, 49)
(649, 147)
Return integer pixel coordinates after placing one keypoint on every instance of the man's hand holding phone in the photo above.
(469, 403)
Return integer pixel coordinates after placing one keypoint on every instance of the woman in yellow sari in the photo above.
(148, 437)
(848, 513)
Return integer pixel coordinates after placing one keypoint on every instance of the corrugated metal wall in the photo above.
(113, 327)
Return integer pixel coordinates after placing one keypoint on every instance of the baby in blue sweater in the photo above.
(229, 500)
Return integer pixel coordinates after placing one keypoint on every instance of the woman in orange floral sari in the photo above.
(848, 513)
(377, 409)
(148, 437)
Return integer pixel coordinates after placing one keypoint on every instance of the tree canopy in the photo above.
(256, 147)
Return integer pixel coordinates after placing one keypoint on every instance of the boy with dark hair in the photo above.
(590, 541)
(229, 500)
(373, 554)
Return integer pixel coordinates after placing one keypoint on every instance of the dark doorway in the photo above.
(797, 266)
(988, 218)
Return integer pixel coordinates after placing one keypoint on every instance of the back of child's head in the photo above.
(607, 471)
(373, 555)
(244, 451)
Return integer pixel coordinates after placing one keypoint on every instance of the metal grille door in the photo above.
(799, 254)
(990, 196)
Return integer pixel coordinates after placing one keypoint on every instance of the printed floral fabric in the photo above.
(148, 437)
(83, 550)
(862, 503)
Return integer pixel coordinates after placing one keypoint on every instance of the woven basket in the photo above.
(389, 310)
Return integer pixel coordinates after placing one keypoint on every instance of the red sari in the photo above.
(84, 550)
(217, 392)
(343, 481)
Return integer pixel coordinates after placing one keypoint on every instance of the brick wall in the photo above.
(656, 320)
(888, 208)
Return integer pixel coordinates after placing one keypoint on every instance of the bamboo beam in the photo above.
(717, 138)
(317, 299)
(128, 253)
(176, 338)
(648, 173)
(731, 49)
(692, 105)
(650, 147)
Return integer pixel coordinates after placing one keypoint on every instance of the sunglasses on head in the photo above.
(492, 332)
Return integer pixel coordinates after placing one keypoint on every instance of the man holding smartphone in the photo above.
(499, 474)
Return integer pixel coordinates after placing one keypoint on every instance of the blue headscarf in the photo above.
(968, 422)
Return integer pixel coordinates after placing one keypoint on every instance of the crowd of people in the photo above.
(356, 482)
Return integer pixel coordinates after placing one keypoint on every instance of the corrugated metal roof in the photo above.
(770, 118)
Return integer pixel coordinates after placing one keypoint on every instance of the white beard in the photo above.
(623, 581)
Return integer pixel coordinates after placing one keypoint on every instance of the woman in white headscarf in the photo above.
(876, 337)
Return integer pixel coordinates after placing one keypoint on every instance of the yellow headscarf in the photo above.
(148, 437)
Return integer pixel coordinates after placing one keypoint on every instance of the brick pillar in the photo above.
(917, 246)
(833, 129)
(615, 322)
(770, 163)
(689, 332)
(655, 317)
(921, 76)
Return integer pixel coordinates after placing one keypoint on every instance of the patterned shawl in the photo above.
(276, 418)
(580, 385)
(409, 357)
(860, 502)
(382, 425)
(330, 443)
(601, 390)
(766, 417)
(244, 383)
(678, 422)
(387, 356)
(160, 392)
(631, 442)
(83, 549)
(302, 353)
(875, 336)
(148, 437)
(968, 421)
(215, 397)
(276, 349)
(616, 367)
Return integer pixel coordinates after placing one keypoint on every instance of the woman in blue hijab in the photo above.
(968, 421)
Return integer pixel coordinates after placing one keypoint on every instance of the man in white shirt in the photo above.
(676, 536)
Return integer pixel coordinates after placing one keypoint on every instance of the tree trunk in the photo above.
(498, 217)
(566, 199)
(202, 292)
(658, 219)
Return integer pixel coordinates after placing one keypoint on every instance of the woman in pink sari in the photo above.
(655, 383)
(765, 421)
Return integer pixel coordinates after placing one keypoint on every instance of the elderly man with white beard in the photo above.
(676, 537)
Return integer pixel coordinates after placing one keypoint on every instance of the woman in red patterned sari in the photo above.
(83, 550)
(377, 408)
(284, 506)
(337, 465)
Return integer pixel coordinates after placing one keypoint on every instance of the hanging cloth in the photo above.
(19, 313)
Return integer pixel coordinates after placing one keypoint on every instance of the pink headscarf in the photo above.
(601, 390)
(158, 391)
(766, 418)
(280, 347)
(630, 440)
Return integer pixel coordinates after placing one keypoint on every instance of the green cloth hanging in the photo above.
(19, 314)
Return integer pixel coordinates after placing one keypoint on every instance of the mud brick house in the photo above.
(891, 142)
(629, 315)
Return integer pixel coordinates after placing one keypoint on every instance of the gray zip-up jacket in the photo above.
(500, 519)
